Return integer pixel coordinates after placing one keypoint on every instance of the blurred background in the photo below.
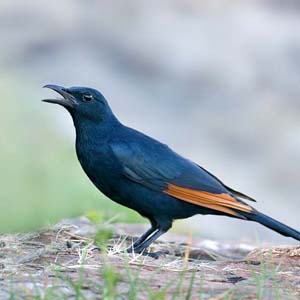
(219, 81)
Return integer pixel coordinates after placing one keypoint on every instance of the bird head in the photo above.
(83, 103)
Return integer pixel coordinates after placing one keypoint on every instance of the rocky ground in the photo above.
(67, 262)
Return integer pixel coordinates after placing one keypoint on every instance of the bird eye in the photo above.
(87, 98)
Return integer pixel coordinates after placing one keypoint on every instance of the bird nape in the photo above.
(145, 175)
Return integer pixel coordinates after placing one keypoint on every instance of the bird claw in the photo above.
(156, 255)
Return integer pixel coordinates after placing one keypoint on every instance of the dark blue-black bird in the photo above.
(145, 175)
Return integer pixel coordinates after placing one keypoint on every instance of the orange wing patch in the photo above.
(220, 202)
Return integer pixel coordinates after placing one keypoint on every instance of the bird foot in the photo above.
(154, 255)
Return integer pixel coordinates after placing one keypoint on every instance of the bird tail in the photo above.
(273, 224)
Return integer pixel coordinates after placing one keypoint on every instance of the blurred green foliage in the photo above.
(41, 179)
(111, 279)
(95, 217)
(102, 236)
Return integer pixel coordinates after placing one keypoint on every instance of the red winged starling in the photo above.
(145, 175)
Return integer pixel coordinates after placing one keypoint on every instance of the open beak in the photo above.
(67, 101)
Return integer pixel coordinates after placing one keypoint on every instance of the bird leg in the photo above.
(146, 243)
(148, 238)
(142, 238)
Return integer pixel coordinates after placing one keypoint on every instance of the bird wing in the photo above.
(156, 166)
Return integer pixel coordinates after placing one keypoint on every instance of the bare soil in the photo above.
(63, 262)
